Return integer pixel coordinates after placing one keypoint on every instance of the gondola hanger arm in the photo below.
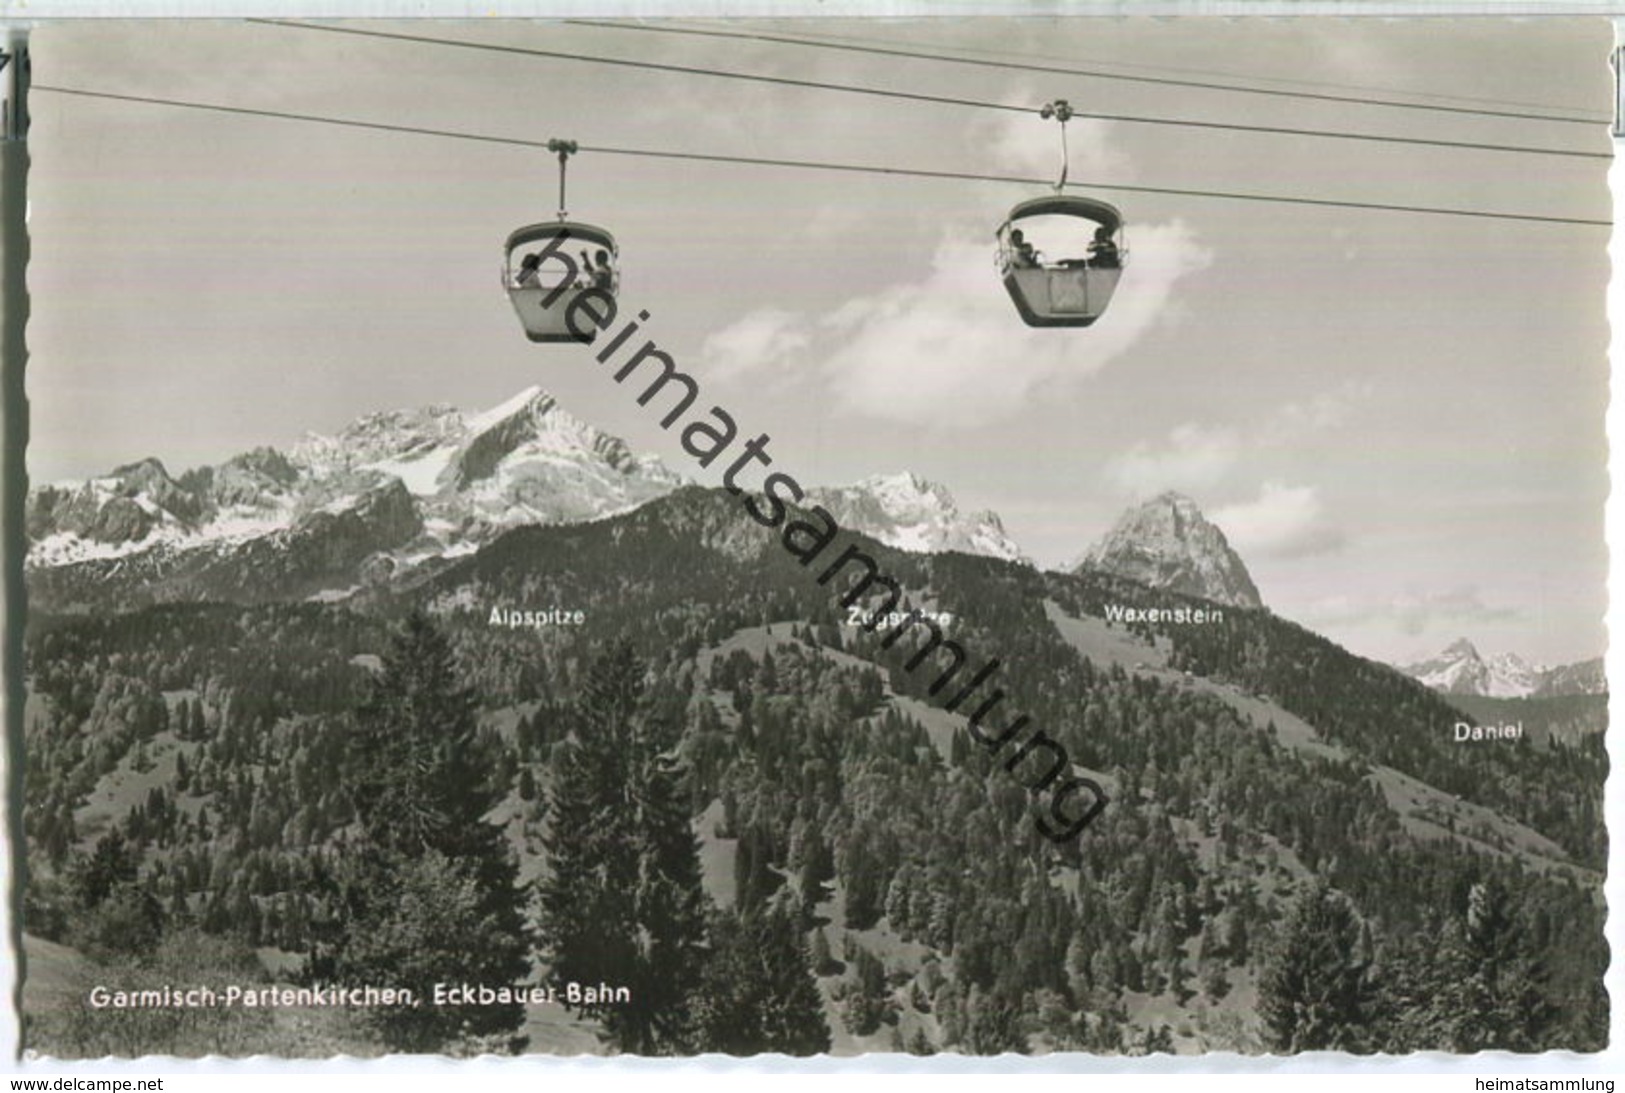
(565, 149)
(1061, 111)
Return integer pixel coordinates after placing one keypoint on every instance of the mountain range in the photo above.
(207, 749)
(410, 491)
(395, 492)
(446, 479)
(1461, 670)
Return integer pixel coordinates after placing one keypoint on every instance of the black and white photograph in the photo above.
(814, 536)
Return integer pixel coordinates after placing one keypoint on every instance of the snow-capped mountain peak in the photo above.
(905, 488)
(1461, 648)
(1461, 670)
(912, 513)
(398, 491)
(1516, 672)
(521, 403)
(450, 480)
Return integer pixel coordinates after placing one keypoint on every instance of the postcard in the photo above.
(814, 536)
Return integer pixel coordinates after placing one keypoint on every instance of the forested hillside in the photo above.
(716, 793)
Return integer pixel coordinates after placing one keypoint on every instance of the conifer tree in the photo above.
(1157, 1041)
(754, 878)
(823, 961)
(110, 864)
(817, 867)
(1316, 993)
(421, 797)
(622, 903)
(993, 1024)
(865, 1004)
(1492, 992)
(588, 898)
(758, 993)
(670, 900)
(420, 783)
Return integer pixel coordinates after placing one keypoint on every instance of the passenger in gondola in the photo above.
(1103, 251)
(528, 270)
(603, 274)
(1026, 255)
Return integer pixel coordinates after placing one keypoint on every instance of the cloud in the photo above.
(1411, 612)
(1416, 613)
(1195, 457)
(829, 220)
(1284, 522)
(761, 339)
(948, 349)
(1294, 421)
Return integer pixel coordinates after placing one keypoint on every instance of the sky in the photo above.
(1396, 418)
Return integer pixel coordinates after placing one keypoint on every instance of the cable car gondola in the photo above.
(535, 289)
(547, 266)
(1072, 291)
(1069, 291)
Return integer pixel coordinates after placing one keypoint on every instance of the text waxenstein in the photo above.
(1116, 612)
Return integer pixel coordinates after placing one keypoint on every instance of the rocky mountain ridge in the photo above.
(1168, 544)
(1461, 670)
(394, 492)
(911, 513)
